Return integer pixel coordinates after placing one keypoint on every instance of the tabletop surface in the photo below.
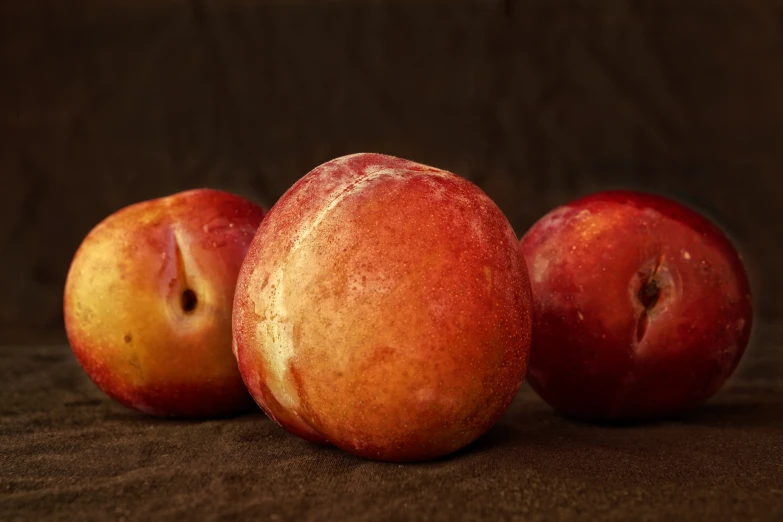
(68, 453)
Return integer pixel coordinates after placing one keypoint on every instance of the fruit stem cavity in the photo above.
(188, 300)
(649, 294)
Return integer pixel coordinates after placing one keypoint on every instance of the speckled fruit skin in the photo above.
(148, 303)
(642, 307)
(384, 307)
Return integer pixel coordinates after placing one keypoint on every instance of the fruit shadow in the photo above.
(759, 413)
(530, 427)
(536, 428)
(529, 430)
(118, 413)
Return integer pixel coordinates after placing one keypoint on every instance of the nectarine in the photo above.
(383, 307)
(642, 307)
(148, 303)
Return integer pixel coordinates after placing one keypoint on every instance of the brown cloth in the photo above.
(69, 453)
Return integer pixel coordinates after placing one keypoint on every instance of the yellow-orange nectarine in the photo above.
(148, 303)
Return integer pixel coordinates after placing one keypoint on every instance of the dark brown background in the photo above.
(104, 103)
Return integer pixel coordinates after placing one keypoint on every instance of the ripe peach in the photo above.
(383, 307)
(642, 307)
(148, 303)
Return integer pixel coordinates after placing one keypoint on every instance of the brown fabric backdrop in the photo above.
(106, 103)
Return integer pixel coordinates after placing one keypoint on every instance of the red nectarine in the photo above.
(383, 307)
(642, 307)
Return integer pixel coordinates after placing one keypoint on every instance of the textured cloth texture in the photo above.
(68, 453)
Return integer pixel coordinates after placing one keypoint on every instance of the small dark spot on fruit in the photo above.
(128, 338)
(189, 300)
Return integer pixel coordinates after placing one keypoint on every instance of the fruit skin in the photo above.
(384, 307)
(128, 316)
(598, 352)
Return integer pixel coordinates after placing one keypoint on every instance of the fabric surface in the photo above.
(104, 103)
(69, 453)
